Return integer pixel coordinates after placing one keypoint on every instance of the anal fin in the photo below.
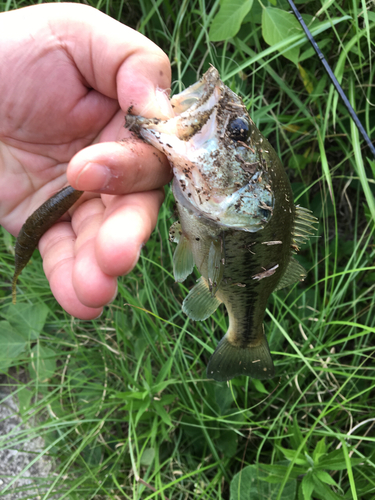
(230, 360)
(200, 303)
(293, 273)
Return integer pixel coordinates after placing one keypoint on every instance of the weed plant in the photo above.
(123, 403)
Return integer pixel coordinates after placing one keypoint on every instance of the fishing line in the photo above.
(336, 84)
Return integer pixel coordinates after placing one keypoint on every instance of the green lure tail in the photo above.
(36, 225)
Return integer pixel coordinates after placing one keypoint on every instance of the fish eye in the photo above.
(238, 129)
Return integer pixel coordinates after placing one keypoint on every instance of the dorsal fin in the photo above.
(303, 226)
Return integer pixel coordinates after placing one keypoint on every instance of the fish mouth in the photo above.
(196, 97)
(194, 112)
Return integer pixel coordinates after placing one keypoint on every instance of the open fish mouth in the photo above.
(200, 96)
(192, 108)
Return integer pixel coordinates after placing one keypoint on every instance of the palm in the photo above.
(47, 128)
(67, 76)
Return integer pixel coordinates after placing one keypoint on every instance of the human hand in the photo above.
(68, 75)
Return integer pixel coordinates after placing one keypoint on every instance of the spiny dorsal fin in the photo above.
(293, 273)
(303, 226)
(183, 261)
(200, 303)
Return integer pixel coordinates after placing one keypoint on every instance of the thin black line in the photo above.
(333, 78)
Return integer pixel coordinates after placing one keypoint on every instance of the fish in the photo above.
(238, 223)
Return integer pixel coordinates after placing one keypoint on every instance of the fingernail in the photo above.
(163, 103)
(93, 177)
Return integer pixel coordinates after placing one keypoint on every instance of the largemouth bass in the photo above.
(238, 223)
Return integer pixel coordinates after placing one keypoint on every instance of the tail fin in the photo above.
(230, 361)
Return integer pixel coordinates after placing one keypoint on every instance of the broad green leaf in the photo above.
(162, 385)
(135, 406)
(324, 490)
(309, 459)
(278, 471)
(320, 450)
(43, 363)
(307, 486)
(249, 484)
(227, 443)
(27, 319)
(307, 79)
(278, 25)
(92, 454)
(162, 413)
(130, 395)
(297, 435)
(223, 398)
(12, 344)
(24, 397)
(168, 399)
(290, 455)
(164, 371)
(297, 162)
(143, 406)
(227, 21)
(333, 461)
(148, 456)
(255, 14)
(325, 477)
(259, 386)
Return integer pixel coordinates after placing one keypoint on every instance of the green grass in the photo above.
(123, 402)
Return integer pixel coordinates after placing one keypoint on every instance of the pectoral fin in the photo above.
(230, 360)
(183, 261)
(175, 232)
(200, 303)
